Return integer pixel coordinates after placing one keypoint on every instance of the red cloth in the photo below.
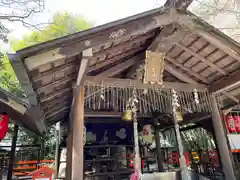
(3, 126)
(135, 176)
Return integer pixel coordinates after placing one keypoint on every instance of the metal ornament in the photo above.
(127, 114)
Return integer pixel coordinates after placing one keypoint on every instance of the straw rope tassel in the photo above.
(137, 160)
(183, 165)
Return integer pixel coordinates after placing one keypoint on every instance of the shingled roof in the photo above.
(197, 55)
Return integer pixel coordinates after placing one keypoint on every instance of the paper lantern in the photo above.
(230, 124)
(3, 125)
(237, 122)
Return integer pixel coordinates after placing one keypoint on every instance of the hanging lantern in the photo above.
(236, 118)
(230, 123)
(3, 125)
(127, 114)
(179, 116)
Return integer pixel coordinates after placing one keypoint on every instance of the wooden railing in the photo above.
(23, 168)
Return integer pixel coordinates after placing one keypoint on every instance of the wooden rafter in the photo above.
(231, 96)
(179, 4)
(225, 83)
(128, 30)
(203, 79)
(116, 82)
(162, 44)
(114, 59)
(204, 60)
(128, 44)
(121, 67)
(178, 74)
(223, 43)
(86, 55)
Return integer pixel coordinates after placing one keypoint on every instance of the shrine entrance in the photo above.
(140, 95)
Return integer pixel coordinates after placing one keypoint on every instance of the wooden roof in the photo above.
(18, 110)
(197, 55)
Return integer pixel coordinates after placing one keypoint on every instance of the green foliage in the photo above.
(62, 24)
(3, 33)
(8, 79)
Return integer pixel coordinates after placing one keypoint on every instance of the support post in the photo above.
(57, 150)
(12, 153)
(159, 152)
(1, 168)
(42, 154)
(222, 141)
(77, 146)
(68, 173)
(75, 169)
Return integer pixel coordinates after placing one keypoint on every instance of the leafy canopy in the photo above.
(62, 24)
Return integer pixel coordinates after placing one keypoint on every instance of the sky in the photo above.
(103, 11)
(97, 11)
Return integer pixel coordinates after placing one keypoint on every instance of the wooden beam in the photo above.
(86, 55)
(122, 83)
(203, 79)
(23, 78)
(37, 115)
(90, 114)
(94, 38)
(114, 59)
(212, 35)
(122, 66)
(164, 43)
(235, 99)
(179, 4)
(197, 56)
(225, 83)
(178, 74)
(117, 69)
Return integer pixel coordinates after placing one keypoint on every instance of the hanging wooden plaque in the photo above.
(154, 66)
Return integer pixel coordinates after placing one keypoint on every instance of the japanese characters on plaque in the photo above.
(154, 66)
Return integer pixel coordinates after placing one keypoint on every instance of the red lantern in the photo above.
(230, 123)
(237, 122)
(3, 125)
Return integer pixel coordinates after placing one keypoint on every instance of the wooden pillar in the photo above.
(77, 146)
(222, 141)
(57, 150)
(12, 153)
(1, 167)
(159, 151)
(68, 172)
(78, 120)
